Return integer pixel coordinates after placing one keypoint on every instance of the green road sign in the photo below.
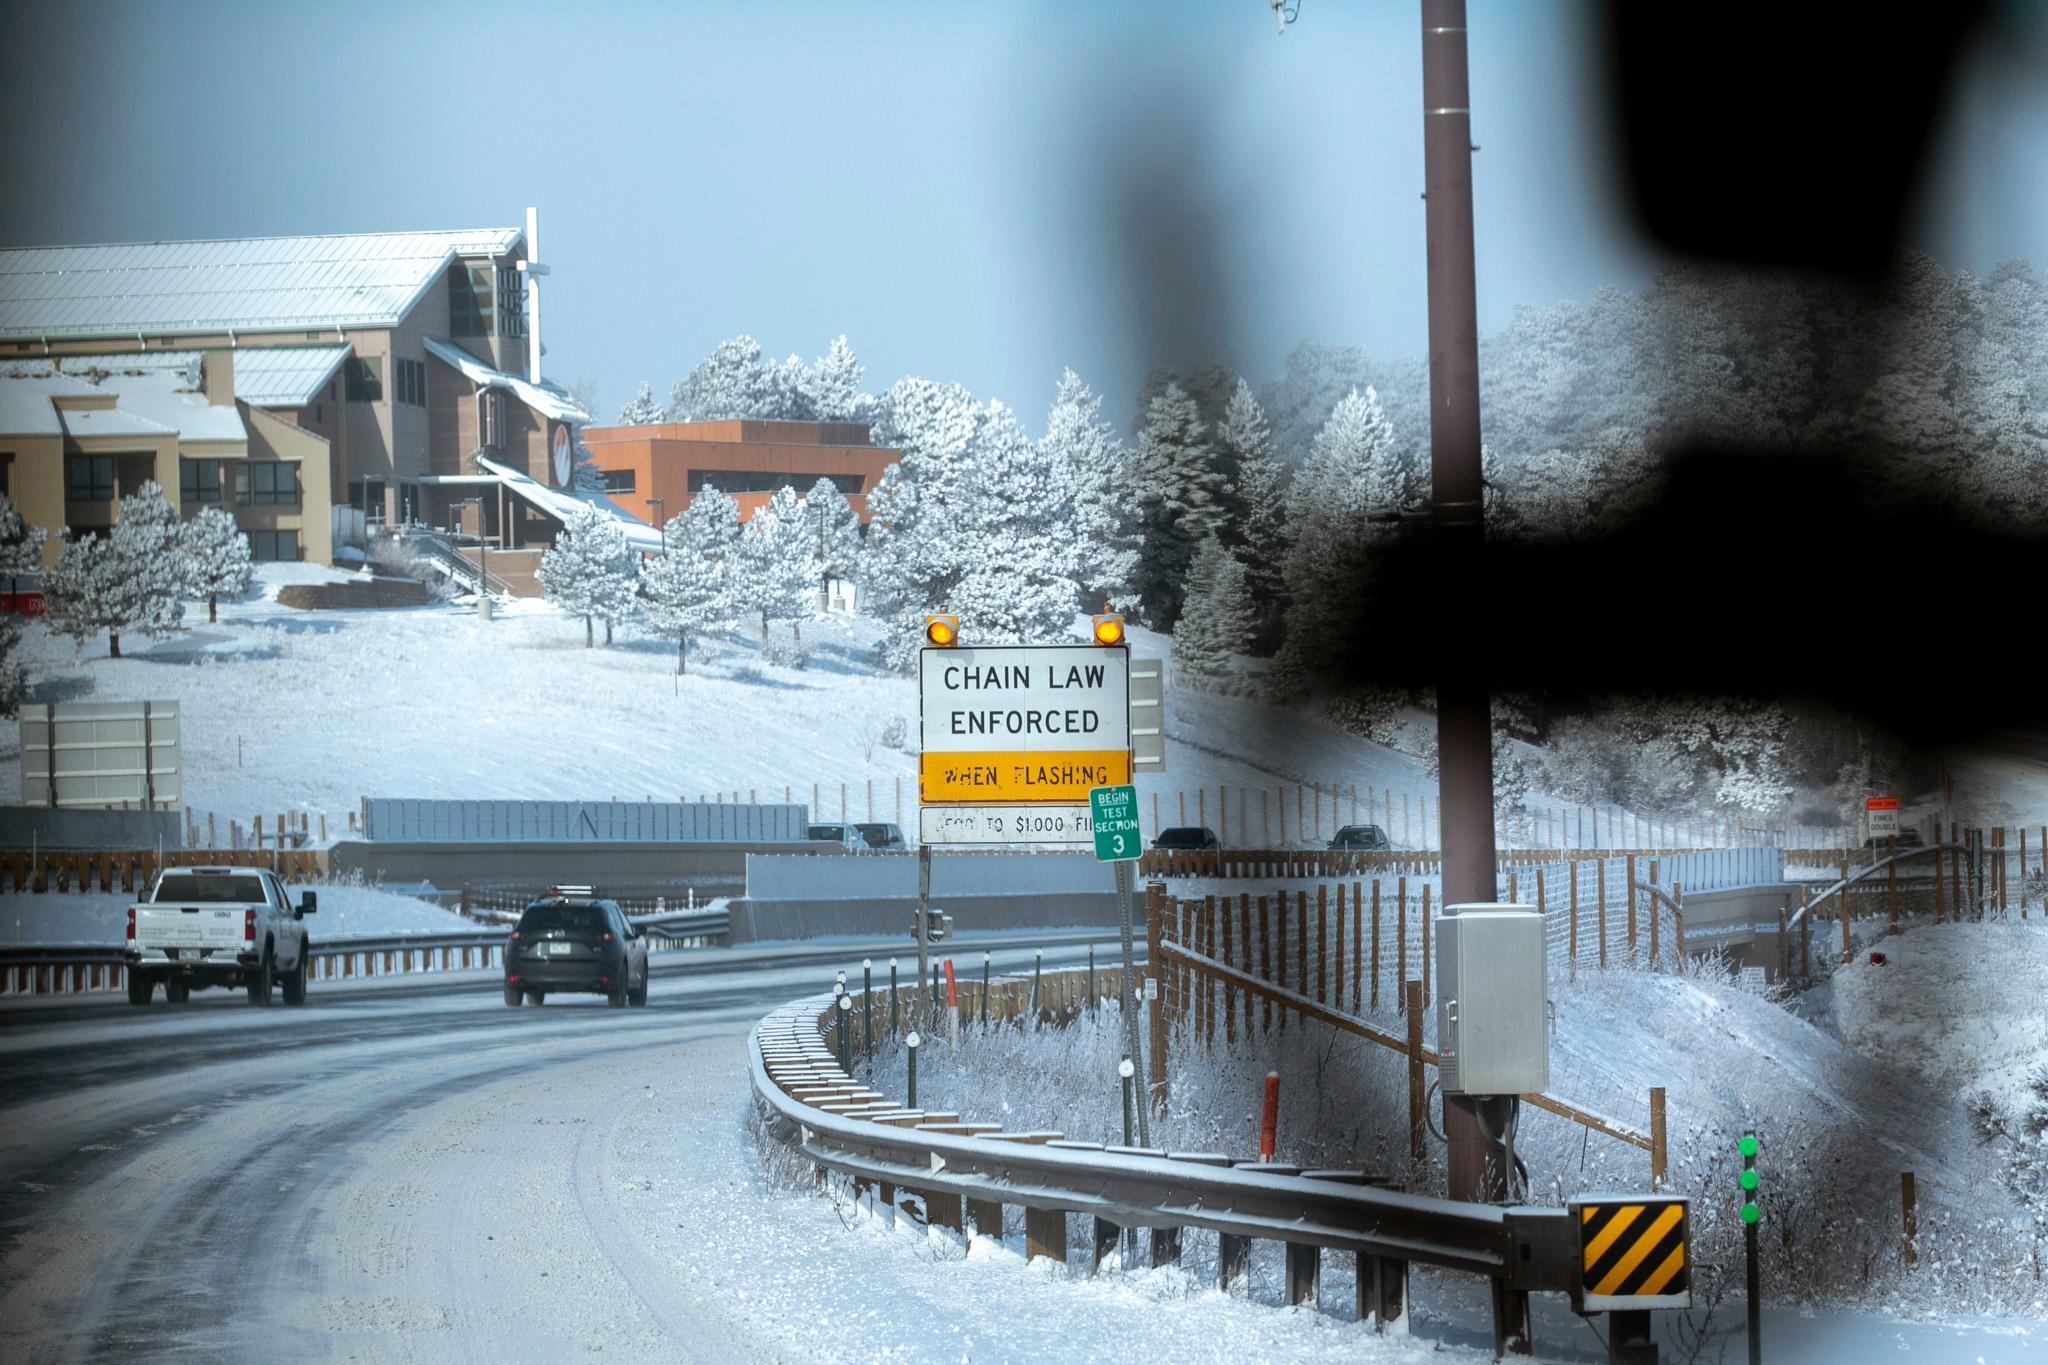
(1113, 813)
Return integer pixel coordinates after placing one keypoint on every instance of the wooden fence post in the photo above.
(1631, 909)
(1337, 967)
(1265, 961)
(1322, 934)
(1658, 1154)
(1600, 890)
(1891, 848)
(1357, 942)
(1573, 958)
(1375, 1003)
(1155, 914)
(1656, 906)
(1401, 937)
(1411, 1002)
(1937, 879)
(1425, 945)
(1842, 910)
(1229, 989)
(1301, 940)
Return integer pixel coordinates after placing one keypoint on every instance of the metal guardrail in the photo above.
(837, 1124)
(41, 970)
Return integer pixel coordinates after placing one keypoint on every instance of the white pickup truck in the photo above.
(218, 926)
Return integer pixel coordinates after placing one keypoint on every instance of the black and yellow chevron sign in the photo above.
(1632, 1253)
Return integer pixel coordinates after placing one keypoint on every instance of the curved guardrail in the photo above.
(963, 1171)
(66, 968)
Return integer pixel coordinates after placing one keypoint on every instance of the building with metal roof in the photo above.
(386, 368)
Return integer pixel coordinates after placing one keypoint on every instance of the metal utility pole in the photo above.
(1464, 726)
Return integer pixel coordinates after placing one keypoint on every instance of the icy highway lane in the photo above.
(389, 1172)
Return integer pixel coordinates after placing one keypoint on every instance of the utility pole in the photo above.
(1464, 727)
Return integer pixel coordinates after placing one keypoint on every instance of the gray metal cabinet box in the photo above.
(1491, 983)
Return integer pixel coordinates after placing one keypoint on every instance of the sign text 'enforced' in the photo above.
(1022, 723)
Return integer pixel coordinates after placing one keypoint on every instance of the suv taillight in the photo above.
(248, 926)
(131, 924)
(605, 937)
(515, 935)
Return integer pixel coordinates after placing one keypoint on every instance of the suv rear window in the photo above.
(828, 832)
(194, 889)
(573, 919)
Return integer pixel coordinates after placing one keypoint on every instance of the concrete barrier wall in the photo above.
(614, 868)
(874, 876)
(755, 920)
(91, 830)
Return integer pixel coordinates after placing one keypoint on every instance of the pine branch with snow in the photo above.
(219, 555)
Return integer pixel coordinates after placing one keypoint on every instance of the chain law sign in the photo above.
(1014, 737)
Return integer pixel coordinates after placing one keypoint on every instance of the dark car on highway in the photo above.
(575, 943)
(887, 838)
(1361, 839)
(1183, 838)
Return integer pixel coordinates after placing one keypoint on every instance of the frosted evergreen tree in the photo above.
(889, 582)
(1180, 497)
(1218, 620)
(1014, 539)
(644, 409)
(21, 545)
(777, 564)
(587, 572)
(689, 586)
(13, 678)
(833, 385)
(1265, 538)
(130, 580)
(913, 565)
(835, 534)
(731, 382)
(1096, 473)
(219, 555)
(1353, 471)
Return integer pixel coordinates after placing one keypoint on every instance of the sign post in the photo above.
(1113, 813)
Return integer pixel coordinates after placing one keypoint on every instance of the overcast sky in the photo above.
(983, 192)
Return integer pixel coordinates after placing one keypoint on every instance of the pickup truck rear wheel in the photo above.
(260, 980)
(295, 979)
(513, 995)
(140, 986)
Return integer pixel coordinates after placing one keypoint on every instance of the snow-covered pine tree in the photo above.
(689, 587)
(81, 592)
(1014, 540)
(1353, 471)
(1096, 472)
(21, 545)
(13, 677)
(586, 572)
(219, 555)
(889, 582)
(1217, 620)
(730, 382)
(644, 409)
(1179, 496)
(833, 385)
(132, 579)
(835, 534)
(778, 563)
(1265, 538)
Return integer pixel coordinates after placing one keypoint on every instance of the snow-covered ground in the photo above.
(100, 917)
(294, 711)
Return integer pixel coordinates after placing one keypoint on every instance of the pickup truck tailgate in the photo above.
(190, 926)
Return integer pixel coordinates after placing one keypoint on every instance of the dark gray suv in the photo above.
(575, 943)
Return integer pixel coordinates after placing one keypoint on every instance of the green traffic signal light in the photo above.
(1750, 1213)
(1749, 1180)
(1748, 1145)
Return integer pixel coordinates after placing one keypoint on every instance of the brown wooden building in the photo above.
(748, 460)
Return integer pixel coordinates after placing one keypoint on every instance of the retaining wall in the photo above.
(41, 827)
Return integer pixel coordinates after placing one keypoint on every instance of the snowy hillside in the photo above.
(287, 711)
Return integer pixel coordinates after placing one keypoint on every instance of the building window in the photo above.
(6, 473)
(469, 298)
(411, 378)
(366, 379)
(319, 413)
(273, 545)
(511, 303)
(269, 483)
(765, 481)
(619, 480)
(490, 418)
(198, 481)
(89, 478)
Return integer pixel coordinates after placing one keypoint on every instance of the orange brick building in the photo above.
(668, 462)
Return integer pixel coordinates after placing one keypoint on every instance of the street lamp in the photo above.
(660, 506)
(483, 550)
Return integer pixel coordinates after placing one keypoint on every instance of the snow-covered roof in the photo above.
(170, 402)
(367, 279)
(80, 423)
(561, 504)
(25, 406)
(284, 376)
(104, 362)
(544, 398)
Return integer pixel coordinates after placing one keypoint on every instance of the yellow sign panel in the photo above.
(992, 777)
(1633, 1253)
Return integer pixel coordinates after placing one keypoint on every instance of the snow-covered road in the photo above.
(401, 1171)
